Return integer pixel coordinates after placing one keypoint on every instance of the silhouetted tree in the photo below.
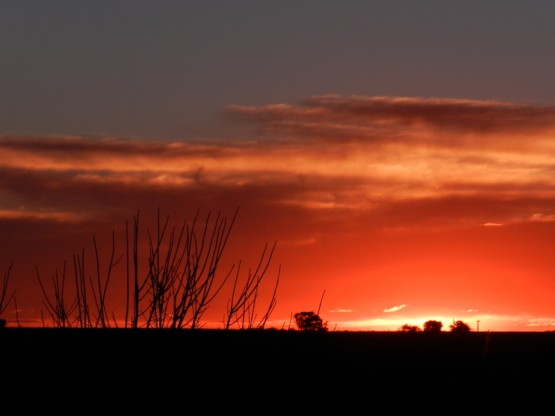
(5, 297)
(459, 327)
(433, 326)
(172, 288)
(410, 328)
(309, 321)
(241, 307)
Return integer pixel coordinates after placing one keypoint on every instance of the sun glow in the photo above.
(440, 203)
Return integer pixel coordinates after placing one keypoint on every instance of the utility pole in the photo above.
(478, 325)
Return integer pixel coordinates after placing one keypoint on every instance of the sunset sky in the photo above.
(400, 154)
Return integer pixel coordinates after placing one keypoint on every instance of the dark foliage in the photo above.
(433, 326)
(410, 328)
(459, 327)
(310, 321)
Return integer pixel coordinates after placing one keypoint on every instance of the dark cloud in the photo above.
(350, 117)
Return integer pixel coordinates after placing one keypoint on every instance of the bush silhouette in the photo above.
(309, 321)
(433, 326)
(410, 328)
(459, 327)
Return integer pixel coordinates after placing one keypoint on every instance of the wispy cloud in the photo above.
(373, 153)
(341, 310)
(395, 308)
(390, 118)
(467, 161)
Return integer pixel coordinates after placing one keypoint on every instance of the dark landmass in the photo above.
(264, 372)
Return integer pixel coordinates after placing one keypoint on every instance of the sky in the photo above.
(400, 155)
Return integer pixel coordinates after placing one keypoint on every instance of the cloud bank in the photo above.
(480, 162)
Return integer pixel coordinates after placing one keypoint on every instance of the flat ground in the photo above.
(149, 371)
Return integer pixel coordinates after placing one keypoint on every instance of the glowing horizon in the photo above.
(400, 208)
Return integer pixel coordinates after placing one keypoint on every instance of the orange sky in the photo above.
(395, 210)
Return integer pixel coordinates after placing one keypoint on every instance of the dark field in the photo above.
(123, 371)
